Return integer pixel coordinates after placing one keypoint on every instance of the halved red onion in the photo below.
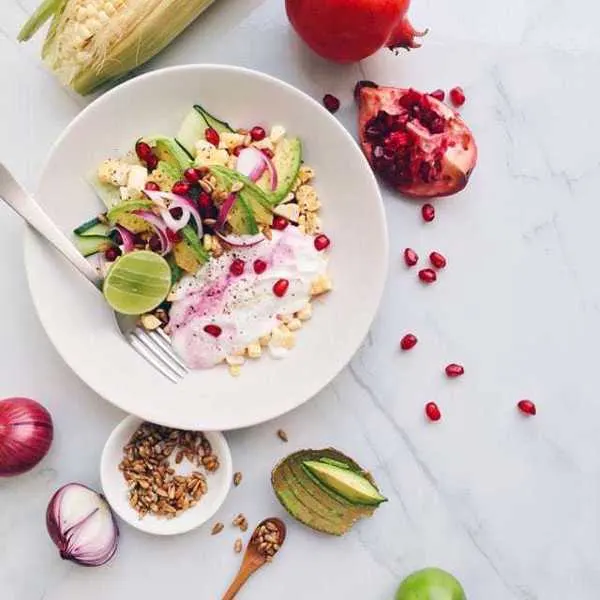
(224, 210)
(127, 239)
(82, 525)
(251, 163)
(241, 240)
(176, 201)
(159, 227)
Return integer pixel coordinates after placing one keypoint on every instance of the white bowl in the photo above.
(115, 487)
(81, 325)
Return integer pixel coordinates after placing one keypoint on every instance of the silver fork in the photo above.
(154, 346)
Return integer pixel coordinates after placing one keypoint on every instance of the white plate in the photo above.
(81, 325)
(115, 486)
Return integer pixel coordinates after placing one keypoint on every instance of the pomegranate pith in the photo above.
(213, 330)
(427, 275)
(454, 370)
(428, 212)
(331, 103)
(432, 411)
(408, 342)
(411, 258)
(280, 287)
(527, 407)
(416, 143)
(438, 260)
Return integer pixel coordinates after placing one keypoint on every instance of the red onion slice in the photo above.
(251, 163)
(224, 210)
(159, 227)
(127, 241)
(242, 241)
(171, 222)
(176, 201)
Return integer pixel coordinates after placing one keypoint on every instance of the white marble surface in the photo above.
(507, 504)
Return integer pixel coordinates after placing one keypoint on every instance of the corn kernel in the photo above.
(254, 350)
(235, 370)
(282, 337)
(235, 361)
(321, 285)
(304, 314)
(294, 324)
(264, 340)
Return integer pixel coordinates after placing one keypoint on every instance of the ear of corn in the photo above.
(91, 42)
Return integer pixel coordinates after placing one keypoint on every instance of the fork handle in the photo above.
(24, 205)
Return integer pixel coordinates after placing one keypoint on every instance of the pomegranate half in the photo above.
(417, 144)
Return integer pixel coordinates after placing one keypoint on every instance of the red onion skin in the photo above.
(52, 525)
(26, 433)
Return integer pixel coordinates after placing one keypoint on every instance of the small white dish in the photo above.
(80, 323)
(115, 487)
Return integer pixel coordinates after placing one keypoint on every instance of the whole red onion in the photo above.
(26, 433)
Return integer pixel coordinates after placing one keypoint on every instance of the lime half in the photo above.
(137, 283)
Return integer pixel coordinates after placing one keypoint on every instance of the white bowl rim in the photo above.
(379, 217)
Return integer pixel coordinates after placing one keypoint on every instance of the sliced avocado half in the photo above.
(352, 486)
(165, 175)
(313, 503)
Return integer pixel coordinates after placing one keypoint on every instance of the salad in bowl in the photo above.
(233, 216)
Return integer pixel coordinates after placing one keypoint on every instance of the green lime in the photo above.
(430, 584)
(137, 283)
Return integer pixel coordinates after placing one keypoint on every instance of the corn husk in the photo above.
(92, 42)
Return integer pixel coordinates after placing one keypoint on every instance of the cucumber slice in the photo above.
(109, 194)
(92, 244)
(191, 238)
(195, 125)
(92, 227)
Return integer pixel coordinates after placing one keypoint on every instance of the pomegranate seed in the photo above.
(204, 201)
(237, 150)
(237, 267)
(111, 254)
(191, 175)
(437, 260)
(457, 95)
(432, 411)
(212, 136)
(428, 212)
(454, 370)
(173, 236)
(143, 151)
(438, 94)
(527, 407)
(279, 223)
(408, 342)
(281, 287)
(213, 330)
(427, 275)
(181, 188)
(152, 162)
(152, 186)
(331, 103)
(268, 152)
(411, 258)
(260, 266)
(321, 242)
(155, 244)
(258, 133)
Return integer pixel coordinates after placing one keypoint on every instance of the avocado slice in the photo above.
(287, 161)
(194, 127)
(350, 485)
(127, 207)
(193, 241)
(241, 218)
(170, 151)
(165, 175)
(310, 501)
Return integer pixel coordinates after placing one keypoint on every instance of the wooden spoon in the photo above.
(258, 552)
